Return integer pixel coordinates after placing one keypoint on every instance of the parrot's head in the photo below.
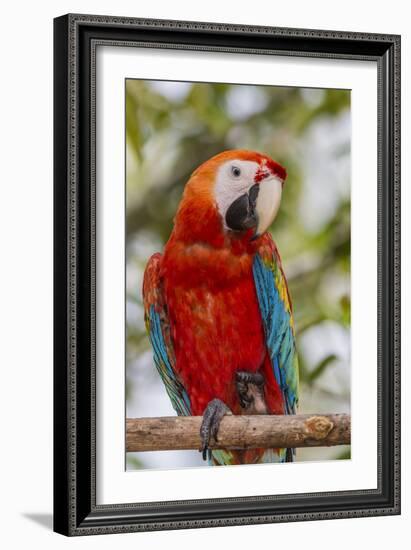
(241, 189)
(248, 188)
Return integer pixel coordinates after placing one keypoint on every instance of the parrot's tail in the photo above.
(251, 456)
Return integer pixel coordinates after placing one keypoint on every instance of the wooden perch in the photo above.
(239, 432)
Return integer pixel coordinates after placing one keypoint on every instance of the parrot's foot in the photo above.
(250, 388)
(212, 416)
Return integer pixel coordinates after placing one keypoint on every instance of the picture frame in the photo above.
(76, 38)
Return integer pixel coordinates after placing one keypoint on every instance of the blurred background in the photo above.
(171, 128)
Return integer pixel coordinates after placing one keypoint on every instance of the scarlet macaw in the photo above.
(217, 307)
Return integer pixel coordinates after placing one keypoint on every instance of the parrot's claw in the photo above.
(212, 416)
(250, 388)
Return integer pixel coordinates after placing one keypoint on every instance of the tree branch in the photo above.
(239, 432)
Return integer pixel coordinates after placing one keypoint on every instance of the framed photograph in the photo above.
(227, 274)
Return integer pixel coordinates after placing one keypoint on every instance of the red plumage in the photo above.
(215, 320)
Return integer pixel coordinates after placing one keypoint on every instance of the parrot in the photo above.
(217, 307)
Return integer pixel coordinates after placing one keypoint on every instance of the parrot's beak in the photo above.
(257, 208)
(241, 214)
(267, 203)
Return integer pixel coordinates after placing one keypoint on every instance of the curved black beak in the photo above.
(241, 214)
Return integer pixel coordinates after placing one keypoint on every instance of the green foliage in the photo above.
(320, 368)
(133, 462)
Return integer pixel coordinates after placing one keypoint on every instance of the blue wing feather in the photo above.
(158, 329)
(278, 325)
(162, 360)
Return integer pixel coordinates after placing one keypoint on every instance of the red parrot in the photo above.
(217, 307)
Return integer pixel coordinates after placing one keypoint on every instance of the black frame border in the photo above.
(76, 38)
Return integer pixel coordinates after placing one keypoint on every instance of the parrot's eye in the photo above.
(235, 170)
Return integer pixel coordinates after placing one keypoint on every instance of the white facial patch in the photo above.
(229, 186)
